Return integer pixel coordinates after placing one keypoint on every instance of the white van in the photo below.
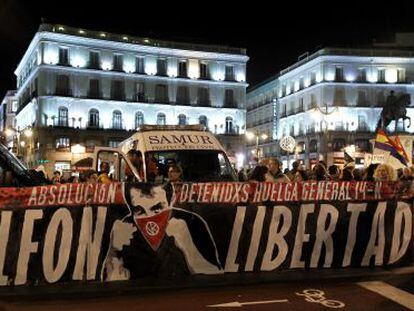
(147, 155)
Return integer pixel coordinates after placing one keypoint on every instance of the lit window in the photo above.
(63, 119)
(182, 119)
(117, 120)
(139, 119)
(62, 143)
(161, 119)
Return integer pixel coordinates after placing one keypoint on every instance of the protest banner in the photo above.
(106, 232)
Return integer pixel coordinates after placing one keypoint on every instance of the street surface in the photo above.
(397, 294)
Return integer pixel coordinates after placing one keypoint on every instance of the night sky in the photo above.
(274, 35)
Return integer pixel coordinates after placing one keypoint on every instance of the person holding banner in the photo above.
(385, 172)
(275, 173)
(103, 174)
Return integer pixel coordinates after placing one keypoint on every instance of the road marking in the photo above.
(318, 296)
(241, 304)
(395, 294)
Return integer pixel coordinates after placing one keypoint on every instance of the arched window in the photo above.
(161, 120)
(93, 118)
(63, 116)
(182, 119)
(203, 121)
(139, 119)
(229, 125)
(117, 119)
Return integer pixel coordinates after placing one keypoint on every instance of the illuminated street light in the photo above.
(250, 135)
(9, 132)
(78, 149)
(22, 143)
(257, 136)
(28, 132)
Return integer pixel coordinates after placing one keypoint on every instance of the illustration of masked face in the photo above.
(151, 213)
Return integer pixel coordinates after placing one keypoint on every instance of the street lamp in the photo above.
(257, 136)
(16, 133)
(322, 115)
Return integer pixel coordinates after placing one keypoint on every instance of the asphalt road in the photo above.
(395, 294)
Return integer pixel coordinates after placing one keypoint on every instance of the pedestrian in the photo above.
(103, 177)
(259, 173)
(369, 172)
(406, 174)
(358, 174)
(241, 175)
(301, 175)
(175, 173)
(334, 172)
(296, 167)
(348, 173)
(275, 173)
(56, 179)
(319, 172)
(90, 177)
(41, 172)
(385, 172)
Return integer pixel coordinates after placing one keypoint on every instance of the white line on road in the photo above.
(395, 294)
(241, 304)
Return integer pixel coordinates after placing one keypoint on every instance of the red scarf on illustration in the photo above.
(153, 227)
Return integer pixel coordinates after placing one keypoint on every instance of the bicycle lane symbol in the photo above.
(318, 296)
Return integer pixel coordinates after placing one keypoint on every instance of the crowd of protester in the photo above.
(271, 170)
(172, 172)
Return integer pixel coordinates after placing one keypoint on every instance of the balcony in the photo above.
(118, 96)
(300, 109)
(63, 149)
(313, 105)
(94, 95)
(140, 97)
(203, 103)
(230, 104)
(94, 65)
(63, 92)
(94, 125)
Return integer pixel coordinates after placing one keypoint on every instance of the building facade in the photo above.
(330, 102)
(8, 108)
(78, 87)
(260, 120)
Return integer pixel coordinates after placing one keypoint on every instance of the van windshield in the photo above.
(196, 165)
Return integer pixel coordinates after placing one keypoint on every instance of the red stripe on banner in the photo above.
(313, 191)
(64, 194)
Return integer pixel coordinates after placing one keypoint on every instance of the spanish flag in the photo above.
(394, 147)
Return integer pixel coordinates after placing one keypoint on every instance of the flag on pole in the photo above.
(348, 159)
(394, 147)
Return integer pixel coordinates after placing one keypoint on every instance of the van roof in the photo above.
(171, 139)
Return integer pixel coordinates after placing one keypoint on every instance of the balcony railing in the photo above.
(300, 109)
(204, 103)
(63, 92)
(229, 104)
